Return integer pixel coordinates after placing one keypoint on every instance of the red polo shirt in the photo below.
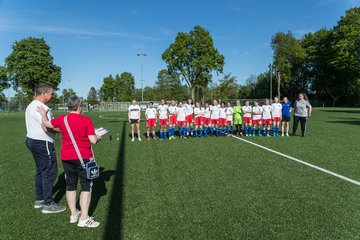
(81, 127)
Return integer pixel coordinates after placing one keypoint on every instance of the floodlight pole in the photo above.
(141, 55)
(271, 81)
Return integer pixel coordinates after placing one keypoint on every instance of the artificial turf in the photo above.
(213, 188)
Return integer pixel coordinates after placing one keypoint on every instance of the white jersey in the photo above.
(199, 112)
(215, 112)
(189, 109)
(134, 111)
(207, 112)
(257, 109)
(247, 110)
(163, 111)
(229, 113)
(276, 109)
(173, 110)
(33, 122)
(150, 113)
(222, 113)
(266, 111)
(181, 114)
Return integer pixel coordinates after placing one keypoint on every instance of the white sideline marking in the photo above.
(302, 162)
(110, 118)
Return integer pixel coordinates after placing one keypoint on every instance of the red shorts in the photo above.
(247, 120)
(198, 121)
(163, 122)
(266, 121)
(276, 119)
(215, 121)
(206, 121)
(189, 118)
(257, 122)
(172, 120)
(150, 122)
(222, 122)
(229, 122)
(180, 123)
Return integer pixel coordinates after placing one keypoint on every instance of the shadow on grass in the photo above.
(351, 122)
(60, 188)
(113, 228)
(99, 188)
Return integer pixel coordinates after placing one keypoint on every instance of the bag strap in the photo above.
(74, 142)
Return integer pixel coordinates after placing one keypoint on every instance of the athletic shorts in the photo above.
(247, 120)
(199, 121)
(276, 119)
(73, 172)
(163, 122)
(189, 119)
(150, 122)
(285, 118)
(215, 121)
(222, 122)
(132, 121)
(229, 122)
(206, 121)
(172, 120)
(181, 123)
(257, 122)
(266, 121)
(237, 120)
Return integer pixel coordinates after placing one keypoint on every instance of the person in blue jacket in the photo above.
(286, 110)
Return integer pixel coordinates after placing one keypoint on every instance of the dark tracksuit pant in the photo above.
(302, 121)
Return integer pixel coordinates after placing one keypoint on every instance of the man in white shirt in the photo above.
(40, 142)
(151, 115)
(163, 118)
(134, 116)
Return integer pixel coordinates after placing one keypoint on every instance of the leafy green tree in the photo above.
(31, 63)
(66, 94)
(125, 86)
(3, 79)
(169, 86)
(192, 55)
(107, 90)
(92, 97)
(227, 88)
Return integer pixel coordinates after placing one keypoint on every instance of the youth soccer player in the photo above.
(151, 115)
(238, 118)
(222, 119)
(286, 110)
(247, 110)
(214, 117)
(276, 110)
(199, 113)
(163, 118)
(181, 120)
(229, 118)
(189, 116)
(172, 119)
(257, 115)
(134, 116)
(206, 119)
(266, 117)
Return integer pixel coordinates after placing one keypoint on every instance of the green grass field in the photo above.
(213, 188)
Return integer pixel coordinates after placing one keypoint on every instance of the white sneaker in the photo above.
(282, 135)
(74, 219)
(133, 139)
(287, 135)
(139, 139)
(88, 222)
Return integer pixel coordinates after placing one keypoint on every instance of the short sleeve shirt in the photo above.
(248, 109)
(150, 113)
(134, 111)
(163, 110)
(256, 110)
(266, 111)
(276, 109)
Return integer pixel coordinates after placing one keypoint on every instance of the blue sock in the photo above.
(232, 129)
(217, 131)
(205, 131)
(172, 131)
(185, 131)
(179, 129)
(245, 130)
(196, 133)
(226, 129)
(200, 132)
(254, 130)
(160, 134)
(191, 130)
(259, 131)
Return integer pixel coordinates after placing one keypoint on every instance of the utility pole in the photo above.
(141, 55)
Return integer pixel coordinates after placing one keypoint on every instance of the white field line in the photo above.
(302, 162)
(110, 118)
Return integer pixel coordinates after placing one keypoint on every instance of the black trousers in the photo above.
(302, 121)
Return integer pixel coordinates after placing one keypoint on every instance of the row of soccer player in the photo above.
(217, 119)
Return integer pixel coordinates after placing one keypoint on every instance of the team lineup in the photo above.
(216, 119)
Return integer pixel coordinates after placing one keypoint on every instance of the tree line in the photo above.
(324, 64)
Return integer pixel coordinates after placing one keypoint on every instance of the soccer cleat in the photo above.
(133, 139)
(254, 135)
(53, 208)
(139, 139)
(282, 135)
(74, 219)
(88, 222)
(260, 135)
(39, 204)
(287, 134)
(268, 135)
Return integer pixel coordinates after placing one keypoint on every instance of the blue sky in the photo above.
(92, 39)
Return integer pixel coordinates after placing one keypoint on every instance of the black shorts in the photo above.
(73, 172)
(132, 121)
(285, 119)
